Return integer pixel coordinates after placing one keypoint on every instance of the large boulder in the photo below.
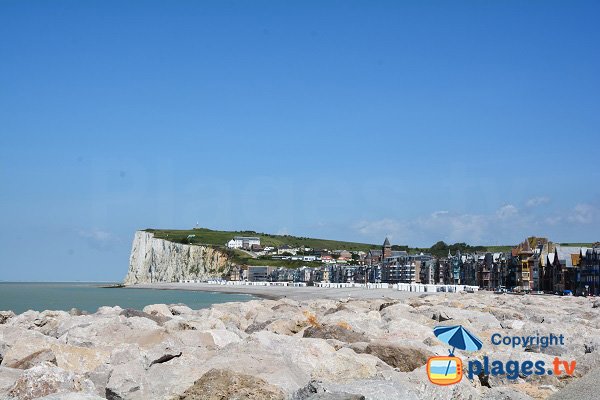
(5, 316)
(315, 390)
(8, 377)
(24, 347)
(46, 322)
(315, 357)
(193, 338)
(160, 319)
(27, 348)
(372, 389)
(180, 309)
(441, 316)
(339, 332)
(284, 326)
(80, 359)
(108, 330)
(158, 373)
(250, 357)
(222, 337)
(45, 355)
(357, 317)
(24, 320)
(158, 309)
(127, 381)
(195, 323)
(219, 384)
(106, 310)
(404, 358)
(45, 379)
(49, 322)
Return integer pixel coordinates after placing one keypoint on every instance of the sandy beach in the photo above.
(279, 292)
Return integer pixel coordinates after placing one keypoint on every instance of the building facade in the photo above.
(259, 273)
(243, 242)
(589, 271)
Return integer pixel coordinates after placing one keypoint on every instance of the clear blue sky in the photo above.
(425, 121)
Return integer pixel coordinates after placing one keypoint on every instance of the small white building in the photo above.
(243, 242)
(287, 249)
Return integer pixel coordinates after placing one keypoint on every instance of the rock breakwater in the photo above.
(286, 349)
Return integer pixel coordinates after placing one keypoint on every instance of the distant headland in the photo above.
(200, 254)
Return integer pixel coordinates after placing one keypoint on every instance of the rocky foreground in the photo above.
(285, 349)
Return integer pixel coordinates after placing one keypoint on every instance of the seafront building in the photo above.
(589, 271)
(536, 264)
(259, 273)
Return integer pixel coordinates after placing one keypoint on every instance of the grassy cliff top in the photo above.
(204, 236)
(219, 238)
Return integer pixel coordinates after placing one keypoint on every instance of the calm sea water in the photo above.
(20, 297)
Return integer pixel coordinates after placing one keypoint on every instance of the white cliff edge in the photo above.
(158, 260)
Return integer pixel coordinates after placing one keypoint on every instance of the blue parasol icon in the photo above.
(457, 337)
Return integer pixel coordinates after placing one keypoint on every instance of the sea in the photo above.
(89, 296)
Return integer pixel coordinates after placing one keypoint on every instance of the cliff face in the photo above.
(157, 260)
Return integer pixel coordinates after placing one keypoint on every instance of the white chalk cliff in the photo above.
(158, 260)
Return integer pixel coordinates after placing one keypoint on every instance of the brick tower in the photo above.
(386, 249)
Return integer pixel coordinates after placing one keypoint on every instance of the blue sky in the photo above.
(423, 121)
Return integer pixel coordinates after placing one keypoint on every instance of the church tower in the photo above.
(386, 250)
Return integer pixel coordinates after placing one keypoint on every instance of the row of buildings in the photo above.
(534, 265)
(287, 252)
(538, 264)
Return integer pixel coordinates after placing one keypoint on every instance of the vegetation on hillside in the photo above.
(203, 236)
(218, 239)
(441, 249)
(241, 258)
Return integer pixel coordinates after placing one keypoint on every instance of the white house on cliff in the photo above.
(243, 242)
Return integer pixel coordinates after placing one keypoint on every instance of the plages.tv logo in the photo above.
(447, 370)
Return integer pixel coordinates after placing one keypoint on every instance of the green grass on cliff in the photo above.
(218, 239)
(205, 236)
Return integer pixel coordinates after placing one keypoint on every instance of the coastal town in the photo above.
(279, 200)
(536, 265)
